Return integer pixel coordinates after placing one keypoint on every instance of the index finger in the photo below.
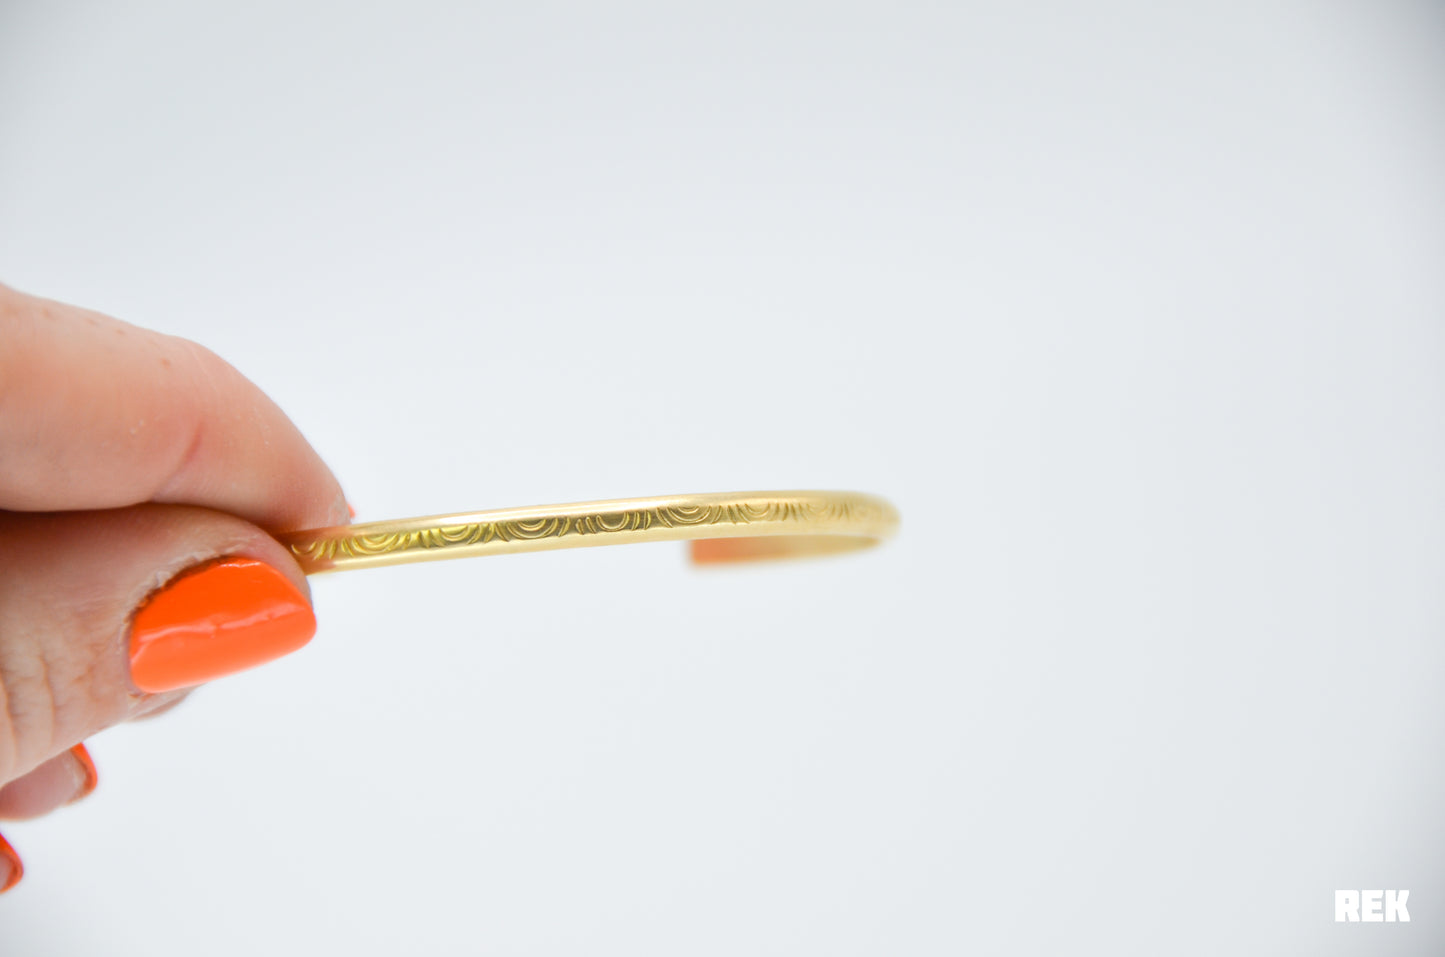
(98, 413)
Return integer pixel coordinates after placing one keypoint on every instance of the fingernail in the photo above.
(351, 509)
(87, 768)
(216, 620)
(11, 870)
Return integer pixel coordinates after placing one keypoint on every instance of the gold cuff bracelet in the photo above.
(723, 527)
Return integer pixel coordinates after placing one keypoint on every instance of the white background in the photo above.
(1135, 310)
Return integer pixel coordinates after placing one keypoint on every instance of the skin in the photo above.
(126, 456)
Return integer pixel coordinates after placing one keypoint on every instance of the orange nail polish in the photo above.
(214, 621)
(17, 870)
(88, 767)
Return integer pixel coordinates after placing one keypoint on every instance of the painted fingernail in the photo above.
(11, 870)
(351, 509)
(216, 620)
(87, 768)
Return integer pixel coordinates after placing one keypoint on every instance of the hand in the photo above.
(140, 477)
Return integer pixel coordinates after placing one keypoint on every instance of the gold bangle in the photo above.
(723, 527)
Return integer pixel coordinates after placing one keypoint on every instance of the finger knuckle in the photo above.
(28, 719)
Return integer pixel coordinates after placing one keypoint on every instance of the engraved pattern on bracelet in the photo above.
(728, 515)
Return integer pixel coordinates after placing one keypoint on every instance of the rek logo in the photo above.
(1371, 907)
